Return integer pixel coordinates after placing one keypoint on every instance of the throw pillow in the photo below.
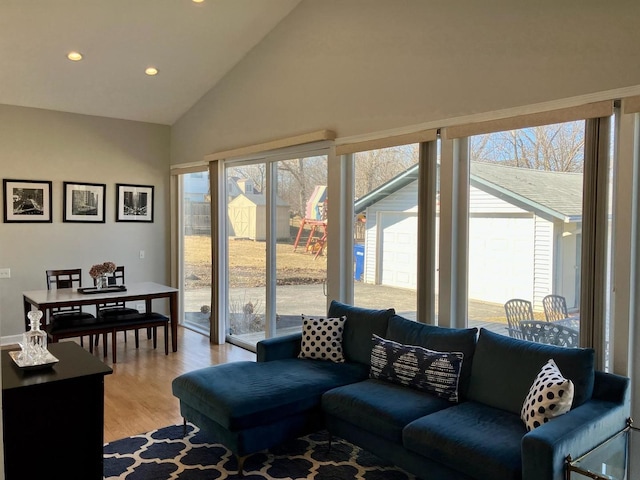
(322, 338)
(550, 396)
(417, 367)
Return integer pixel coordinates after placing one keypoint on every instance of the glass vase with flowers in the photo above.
(100, 272)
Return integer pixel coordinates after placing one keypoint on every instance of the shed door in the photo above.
(398, 248)
(501, 253)
(241, 222)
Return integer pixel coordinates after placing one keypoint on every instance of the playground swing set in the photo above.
(315, 221)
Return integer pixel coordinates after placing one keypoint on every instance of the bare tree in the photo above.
(256, 172)
(376, 167)
(297, 178)
(558, 147)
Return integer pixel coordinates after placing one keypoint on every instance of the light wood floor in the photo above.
(138, 394)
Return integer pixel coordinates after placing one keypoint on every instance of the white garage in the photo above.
(519, 236)
(398, 244)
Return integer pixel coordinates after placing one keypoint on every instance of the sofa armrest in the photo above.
(278, 348)
(545, 449)
(611, 387)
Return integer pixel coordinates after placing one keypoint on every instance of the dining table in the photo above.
(45, 300)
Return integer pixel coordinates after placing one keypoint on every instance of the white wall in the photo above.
(46, 145)
(358, 67)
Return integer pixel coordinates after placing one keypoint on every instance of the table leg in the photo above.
(173, 313)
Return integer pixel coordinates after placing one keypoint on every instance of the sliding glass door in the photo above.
(276, 245)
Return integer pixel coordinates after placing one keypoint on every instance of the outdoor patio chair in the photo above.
(555, 308)
(517, 310)
(549, 333)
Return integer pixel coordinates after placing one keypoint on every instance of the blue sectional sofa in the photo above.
(251, 406)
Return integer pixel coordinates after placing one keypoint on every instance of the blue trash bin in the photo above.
(358, 256)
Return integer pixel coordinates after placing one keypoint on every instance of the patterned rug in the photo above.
(164, 454)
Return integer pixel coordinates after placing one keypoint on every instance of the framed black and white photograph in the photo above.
(84, 202)
(134, 203)
(27, 201)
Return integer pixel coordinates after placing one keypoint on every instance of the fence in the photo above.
(197, 218)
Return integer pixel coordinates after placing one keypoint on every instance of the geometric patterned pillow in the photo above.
(322, 338)
(550, 396)
(416, 367)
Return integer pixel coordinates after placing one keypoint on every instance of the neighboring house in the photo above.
(196, 186)
(524, 233)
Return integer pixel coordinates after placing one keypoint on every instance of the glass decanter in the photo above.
(34, 341)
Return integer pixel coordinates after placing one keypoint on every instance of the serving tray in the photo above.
(112, 288)
(47, 362)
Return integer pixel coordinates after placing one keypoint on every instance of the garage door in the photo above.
(398, 246)
(501, 253)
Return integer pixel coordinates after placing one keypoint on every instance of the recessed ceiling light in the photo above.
(151, 71)
(74, 56)
(198, 1)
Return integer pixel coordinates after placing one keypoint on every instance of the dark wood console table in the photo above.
(54, 417)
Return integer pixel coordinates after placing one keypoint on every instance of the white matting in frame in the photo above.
(27, 201)
(134, 203)
(84, 202)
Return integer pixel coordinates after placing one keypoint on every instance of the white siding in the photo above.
(543, 249)
(404, 200)
(483, 202)
(500, 258)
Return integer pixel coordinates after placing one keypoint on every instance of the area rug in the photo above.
(164, 454)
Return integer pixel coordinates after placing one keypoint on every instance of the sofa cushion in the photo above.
(440, 339)
(359, 327)
(550, 396)
(322, 338)
(416, 367)
(380, 407)
(474, 439)
(504, 369)
(240, 395)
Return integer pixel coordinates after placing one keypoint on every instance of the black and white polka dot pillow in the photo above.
(322, 338)
(550, 396)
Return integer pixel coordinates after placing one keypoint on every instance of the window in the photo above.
(386, 228)
(196, 250)
(525, 226)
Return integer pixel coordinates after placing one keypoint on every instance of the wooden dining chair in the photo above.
(111, 311)
(68, 322)
(121, 318)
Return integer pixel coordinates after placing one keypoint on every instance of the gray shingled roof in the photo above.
(549, 194)
(558, 194)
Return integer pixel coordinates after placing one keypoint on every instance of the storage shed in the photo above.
(248, 216)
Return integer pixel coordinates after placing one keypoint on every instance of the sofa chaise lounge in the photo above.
(478, 433)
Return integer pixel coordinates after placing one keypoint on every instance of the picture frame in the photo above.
(27, 201)
(134, 203)
(84, 202)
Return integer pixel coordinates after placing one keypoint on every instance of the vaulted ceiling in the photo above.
(193, 45)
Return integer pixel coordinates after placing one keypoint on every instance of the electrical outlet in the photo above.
(140, 307)
(141, 253)
(5, 273)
